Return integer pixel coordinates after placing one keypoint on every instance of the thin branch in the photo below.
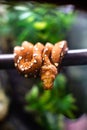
(72, 58)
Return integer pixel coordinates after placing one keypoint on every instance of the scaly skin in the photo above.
(48, 70)
(33, 60)
(28, 58)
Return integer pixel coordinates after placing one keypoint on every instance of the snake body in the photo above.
(31, 60)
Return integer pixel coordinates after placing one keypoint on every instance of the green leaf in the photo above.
(32, 94)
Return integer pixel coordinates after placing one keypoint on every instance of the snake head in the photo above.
(48, 74)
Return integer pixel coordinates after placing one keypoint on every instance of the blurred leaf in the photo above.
(38, 22)
(32, 94)
(60, 82)
(40, 25)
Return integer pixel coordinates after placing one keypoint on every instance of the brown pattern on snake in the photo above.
(58, 52)
(48, 70)
(31, 60)
(28, 59)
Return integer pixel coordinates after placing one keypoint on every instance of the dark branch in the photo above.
(72, 58)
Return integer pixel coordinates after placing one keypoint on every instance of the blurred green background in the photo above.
(44, 23)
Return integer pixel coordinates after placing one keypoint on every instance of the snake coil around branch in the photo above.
(40, 60)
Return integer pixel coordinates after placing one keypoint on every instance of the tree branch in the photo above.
(72, 58)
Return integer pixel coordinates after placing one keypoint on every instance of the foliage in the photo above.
(45, 23)
(48, 105)
(3, 21)
(39, 22)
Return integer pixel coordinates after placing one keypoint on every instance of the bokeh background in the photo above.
(24, 105)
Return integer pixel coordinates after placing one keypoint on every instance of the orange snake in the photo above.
(33, 60)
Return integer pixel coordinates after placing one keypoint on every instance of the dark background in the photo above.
(82, 4)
